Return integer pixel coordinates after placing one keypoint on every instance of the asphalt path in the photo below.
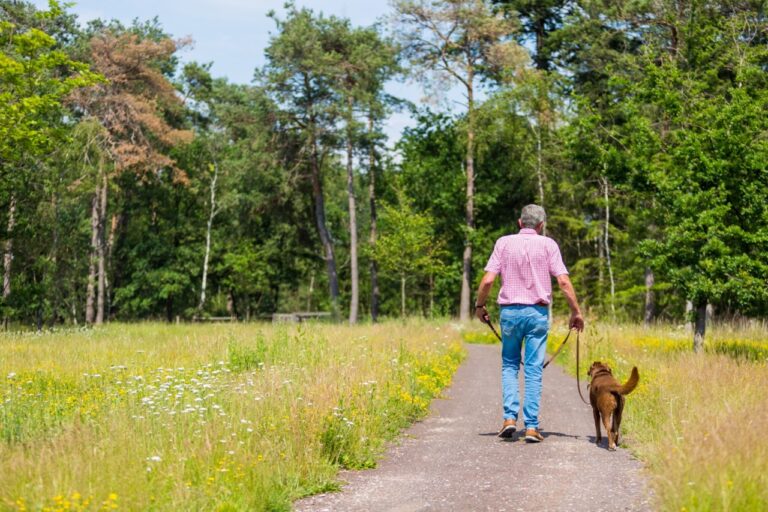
(453, 460)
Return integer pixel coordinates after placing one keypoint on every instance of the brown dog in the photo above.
(607, 398)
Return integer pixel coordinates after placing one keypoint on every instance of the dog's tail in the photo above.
(630, 385)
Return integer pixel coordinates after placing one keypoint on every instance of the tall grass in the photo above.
(235, 417)
(698, 421)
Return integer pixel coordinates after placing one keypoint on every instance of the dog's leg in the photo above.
(596, 414)
(617, 419)
(609, 431)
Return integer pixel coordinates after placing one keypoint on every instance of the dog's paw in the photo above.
(612, 448)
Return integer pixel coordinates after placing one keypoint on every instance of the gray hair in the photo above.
(532, 215)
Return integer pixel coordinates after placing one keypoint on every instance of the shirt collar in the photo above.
(528, 231)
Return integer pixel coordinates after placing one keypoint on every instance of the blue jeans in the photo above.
(518, 323)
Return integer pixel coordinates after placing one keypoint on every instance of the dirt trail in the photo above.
(454, 461)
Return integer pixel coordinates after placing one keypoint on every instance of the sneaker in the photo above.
(507, 429)
(532, 435)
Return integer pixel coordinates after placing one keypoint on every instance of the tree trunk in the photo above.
(322, 229)
(372, 198)
(608, 247)
(402, 296)
(231, 305)
(540, 180)
(101, 252)
(90, 294)
(209, 227)
(113, 225)
(431, 295)
(650, 304)
(466, 277)
(8, 254)
(701, 325)
(311, 290)
(688, 311)
(354, 277)
(710, 314)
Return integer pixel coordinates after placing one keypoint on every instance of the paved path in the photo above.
(454, 461)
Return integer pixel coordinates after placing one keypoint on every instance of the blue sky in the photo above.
(233, 33)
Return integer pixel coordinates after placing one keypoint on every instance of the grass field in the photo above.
(699, 422)
(218, 417)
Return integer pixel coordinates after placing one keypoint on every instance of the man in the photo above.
(525, 261)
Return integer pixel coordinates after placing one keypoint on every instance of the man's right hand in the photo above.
(482, 314)
(576, 322)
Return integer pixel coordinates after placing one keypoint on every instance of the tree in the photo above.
(407, 246)
(461, 40)
(35, 77)
(131, 109)
(300, 72)
(367, 61)
(540, 20)
(695, 137)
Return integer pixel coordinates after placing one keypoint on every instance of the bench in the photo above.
(298, 317)
(214, 319)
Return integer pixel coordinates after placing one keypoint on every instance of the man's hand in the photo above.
(576, 322)
(482, 314)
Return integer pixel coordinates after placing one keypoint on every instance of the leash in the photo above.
(487, 321)
(578, 385)
(561, 346)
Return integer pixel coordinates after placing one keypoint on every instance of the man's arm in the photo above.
(577, 321)
(482, 295)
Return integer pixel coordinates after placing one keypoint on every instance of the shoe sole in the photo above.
(507, 432)
(531, 439)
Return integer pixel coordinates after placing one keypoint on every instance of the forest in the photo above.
(134, 186)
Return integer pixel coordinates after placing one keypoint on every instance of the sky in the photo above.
(234, 33)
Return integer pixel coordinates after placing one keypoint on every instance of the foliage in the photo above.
(639, 126)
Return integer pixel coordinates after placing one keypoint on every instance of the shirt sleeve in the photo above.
(556, 265)
(494, 262)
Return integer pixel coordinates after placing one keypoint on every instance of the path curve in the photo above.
(453, 460)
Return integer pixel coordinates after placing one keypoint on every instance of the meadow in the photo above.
(207, 417)
(698, 422)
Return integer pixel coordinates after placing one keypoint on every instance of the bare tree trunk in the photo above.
(211, 215)
(322, 229)
(540, 180)
(402, 296)
(101, 252)
(466, 277)
(431, 295)
(311, 290)
(8, 255)
(650, 304)
(372, 195)
(701, 325)
(608, 247)
(688, 311)
(113, 225)
(600, 272)
(231, 305)
(354, 274)
(90, 294)
(539, 166)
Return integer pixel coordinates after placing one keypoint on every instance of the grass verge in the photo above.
(220, 417)
(697, 421)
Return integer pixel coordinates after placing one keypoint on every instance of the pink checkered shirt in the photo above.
(526, 261)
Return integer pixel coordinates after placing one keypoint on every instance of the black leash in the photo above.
(578, 385)
(561, 346)
(487, 321)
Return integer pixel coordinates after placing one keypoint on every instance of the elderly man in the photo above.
(525, 261)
